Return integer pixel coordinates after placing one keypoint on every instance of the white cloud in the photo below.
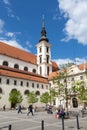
(66, 61)
(62, 61)
(1, 25)
(12, 43)
(9, 10)
(6, 2)
(10, 34)
(28, 44)
(76, 13)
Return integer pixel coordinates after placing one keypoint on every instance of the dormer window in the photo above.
(16, 66)
(5, 63)
(26, 68)
(34, 70)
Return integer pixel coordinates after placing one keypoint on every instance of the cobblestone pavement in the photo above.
(24, 122)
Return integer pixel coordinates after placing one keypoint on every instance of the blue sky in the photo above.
(65, 23)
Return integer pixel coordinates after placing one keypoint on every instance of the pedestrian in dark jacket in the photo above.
(30, 110)
(19, 109)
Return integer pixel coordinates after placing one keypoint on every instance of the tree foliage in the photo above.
(81, 90)
(15, 97)
(31, 97)
(59, 84)
(52, 95)
(44, 97)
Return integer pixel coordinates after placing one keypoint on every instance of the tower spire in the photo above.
(43, 31)
(43, 25)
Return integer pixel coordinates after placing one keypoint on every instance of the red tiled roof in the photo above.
(54, 66)
(82, 66)
(10, 72)
(17, 53)
(14, 52)
(53, 74)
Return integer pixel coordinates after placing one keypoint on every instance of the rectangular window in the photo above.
(21, 83)
(0, 80)
(7, 82)
(72, 79)
(32, 85)
(47, 49)
(40, 59)
(27, 84)
(40, 49)
(42, 86)
(15, 82)
(81, 77)
(37, 85)
(46, 86)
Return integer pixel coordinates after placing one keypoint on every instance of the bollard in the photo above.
(9, 127)
(42, 125)
(62, 123)
(77, 122)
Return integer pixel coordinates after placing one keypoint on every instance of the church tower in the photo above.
(44, 54)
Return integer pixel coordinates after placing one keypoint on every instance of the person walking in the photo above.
(4, 107)
(19, 109)
(30, 110)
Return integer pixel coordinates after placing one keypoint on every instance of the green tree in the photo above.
(59, 85)
(31, 97)
(80, 89)
(52, 95)
(44, 97)
(15, 97)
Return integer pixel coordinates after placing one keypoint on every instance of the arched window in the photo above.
(5, 63)
(0, 90)
(37, 93)
(34, 70)
(26, 68)
(40, 70)
(75, 102)
(16, 66)
(14, 89)
(26, 92)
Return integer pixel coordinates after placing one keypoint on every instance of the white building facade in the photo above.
(24, 71)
